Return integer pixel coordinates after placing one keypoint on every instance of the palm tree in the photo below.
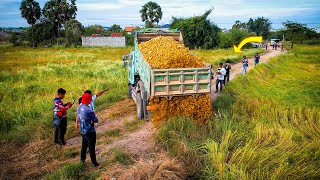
(30, 10)
(68, 13)
(52, 11)
(151, 13)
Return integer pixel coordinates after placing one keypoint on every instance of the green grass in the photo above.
(121, 157)
(214, 57)
(112, 133)
(29, 79)
(267, 124)
(68, 171)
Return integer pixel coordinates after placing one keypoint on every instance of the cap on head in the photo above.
(86, 98)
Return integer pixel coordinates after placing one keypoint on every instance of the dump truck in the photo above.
(145, 82)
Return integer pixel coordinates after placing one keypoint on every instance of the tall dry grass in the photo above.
(267, 124)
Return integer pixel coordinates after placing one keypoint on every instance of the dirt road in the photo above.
(237, 69)
(118, 130)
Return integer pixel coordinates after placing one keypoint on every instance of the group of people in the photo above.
(275, 46)
(223, 71)
(85, 120)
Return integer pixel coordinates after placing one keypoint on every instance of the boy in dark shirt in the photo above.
(60, 117)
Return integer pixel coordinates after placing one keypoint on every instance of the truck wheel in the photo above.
(129, 91)
(139, 105)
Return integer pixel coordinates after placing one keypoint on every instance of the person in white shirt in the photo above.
(220, 77)
(95, 96)
(245, 63)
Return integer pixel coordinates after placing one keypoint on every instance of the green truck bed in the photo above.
(172, 82)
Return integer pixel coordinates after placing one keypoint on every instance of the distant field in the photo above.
(29, 79)
(267, 124)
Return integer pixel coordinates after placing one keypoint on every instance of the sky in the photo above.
(225, 13)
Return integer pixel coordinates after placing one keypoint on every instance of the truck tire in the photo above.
(139, 106)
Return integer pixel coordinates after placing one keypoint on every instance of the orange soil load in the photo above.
(198, 108)
(165, 53)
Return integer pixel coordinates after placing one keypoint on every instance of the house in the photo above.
(116, 35)
(129, 29)
(96, 35)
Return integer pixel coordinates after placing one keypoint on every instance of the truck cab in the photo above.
(274, 41)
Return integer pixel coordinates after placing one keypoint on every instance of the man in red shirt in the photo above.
(60, 117)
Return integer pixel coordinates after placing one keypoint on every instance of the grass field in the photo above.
(29, 79)
(267, 124)
(221, 55)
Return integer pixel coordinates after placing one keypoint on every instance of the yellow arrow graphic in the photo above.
(245, 41)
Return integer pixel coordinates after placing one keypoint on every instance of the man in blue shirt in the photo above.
(86, 119)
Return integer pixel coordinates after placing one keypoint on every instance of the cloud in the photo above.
(126, 12)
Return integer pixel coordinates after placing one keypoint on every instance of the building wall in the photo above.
(104, 41)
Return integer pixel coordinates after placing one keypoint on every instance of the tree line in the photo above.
(56, 24)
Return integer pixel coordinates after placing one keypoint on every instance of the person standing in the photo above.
(276, 45)
(244, 64)
(86, 119)
(266, 46)
(227, 67)
(95, 96)
(221, 72)
(282, 49)
(256, 59)
(60, 117)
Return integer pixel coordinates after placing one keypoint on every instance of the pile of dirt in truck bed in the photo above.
(164, 52)
(198, 108)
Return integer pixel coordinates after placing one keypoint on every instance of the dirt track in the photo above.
(138, 142)
(237, 69)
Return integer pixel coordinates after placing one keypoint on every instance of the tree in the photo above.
(95, 29)
(295, 32)
(42, 34)
(30, 10)
(59, 12)
(261, 26)
(115, 28)
(239, 25)
(198, 32)
(68, 12)
(14, 39)
(151, 13)
(51, 11)
(75, 30)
